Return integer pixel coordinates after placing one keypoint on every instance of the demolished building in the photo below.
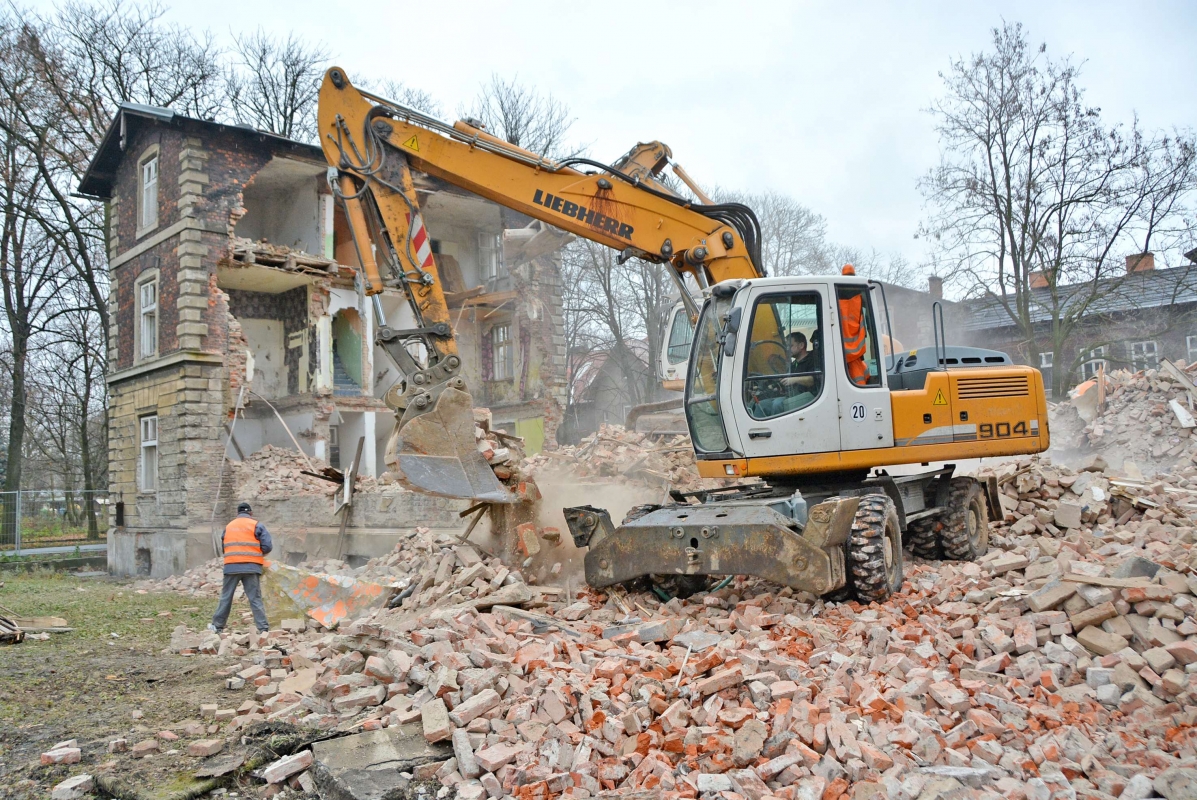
(237, 322)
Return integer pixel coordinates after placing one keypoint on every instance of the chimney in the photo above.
(1140, 262)
(1037, 279)
(935, 287)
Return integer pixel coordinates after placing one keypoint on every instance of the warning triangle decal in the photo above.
(939, 400)
(412, 144)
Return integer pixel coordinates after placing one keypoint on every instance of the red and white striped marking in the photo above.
(420, 243)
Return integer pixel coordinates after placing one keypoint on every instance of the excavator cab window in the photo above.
(784, 367)
(681, 333)
(858, 334)
(702, 389)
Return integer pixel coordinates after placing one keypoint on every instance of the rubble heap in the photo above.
(1147, 420)
(1060, 664)
(614, 452)
(276, 473)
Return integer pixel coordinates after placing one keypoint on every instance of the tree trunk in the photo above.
(16, 436)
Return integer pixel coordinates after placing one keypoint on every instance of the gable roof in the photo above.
(98, 180)
(1157, 288)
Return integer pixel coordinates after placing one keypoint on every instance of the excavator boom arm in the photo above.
(372, 145)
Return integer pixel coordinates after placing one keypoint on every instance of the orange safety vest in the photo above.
(851, 311)
(240, 544)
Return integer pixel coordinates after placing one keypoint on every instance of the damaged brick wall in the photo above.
(290, 308)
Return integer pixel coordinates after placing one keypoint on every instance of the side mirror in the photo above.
(730, 329)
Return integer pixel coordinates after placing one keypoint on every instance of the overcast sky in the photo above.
(823, 101)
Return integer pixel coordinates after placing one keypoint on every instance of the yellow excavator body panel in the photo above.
(958, 414)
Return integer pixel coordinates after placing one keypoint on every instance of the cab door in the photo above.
(675, 349)
(865, 416)
(785, 402)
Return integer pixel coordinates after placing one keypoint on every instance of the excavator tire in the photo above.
(875, 550)
(922, 537)
(964, 527)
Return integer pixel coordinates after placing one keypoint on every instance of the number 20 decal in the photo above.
(1001, 430)
(858, 412)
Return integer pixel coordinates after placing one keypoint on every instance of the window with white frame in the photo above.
(147, 192)
(1190, 349)
(148, 479)
(1046, 360)
(1144, 355)
(501, 351)
(489, 255)
(1095, 359)
(147, 311)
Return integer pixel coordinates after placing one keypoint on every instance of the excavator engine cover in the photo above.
(718, 539)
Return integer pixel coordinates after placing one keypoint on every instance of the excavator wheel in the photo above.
(922, 537)
(875, 550)
(964, 528)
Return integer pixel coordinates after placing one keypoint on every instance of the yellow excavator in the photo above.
(785, 380)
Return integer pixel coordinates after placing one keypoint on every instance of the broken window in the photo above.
(149, 454)
(147, 194)
(1145, 355)
(1095, 359)
(501, 352)
(147, 304)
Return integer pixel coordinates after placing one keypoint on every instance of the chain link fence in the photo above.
(37, 519)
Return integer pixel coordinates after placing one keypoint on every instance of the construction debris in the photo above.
(1146, 419)
(614, 452)
(1062, 662)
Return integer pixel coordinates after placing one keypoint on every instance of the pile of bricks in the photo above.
(1061, 664)
(614, 452)
(1146, 422)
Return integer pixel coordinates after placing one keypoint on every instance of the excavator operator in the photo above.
(854, 333)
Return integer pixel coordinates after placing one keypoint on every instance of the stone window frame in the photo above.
(147, 445)
(151, 153)
(146, 277)
(502, 352)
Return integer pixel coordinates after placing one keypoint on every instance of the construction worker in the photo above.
(854, 333)
(245, 544)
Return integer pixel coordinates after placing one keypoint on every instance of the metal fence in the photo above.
(51, 520)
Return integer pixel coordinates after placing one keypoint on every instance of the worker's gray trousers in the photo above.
(251, 585)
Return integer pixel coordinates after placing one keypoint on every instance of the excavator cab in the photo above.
(774, 375)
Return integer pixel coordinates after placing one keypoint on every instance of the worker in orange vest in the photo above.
(245, 543)
(854, 333)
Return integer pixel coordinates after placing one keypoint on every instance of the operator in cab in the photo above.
(805, 369)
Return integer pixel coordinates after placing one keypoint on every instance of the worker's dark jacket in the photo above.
(263, 537)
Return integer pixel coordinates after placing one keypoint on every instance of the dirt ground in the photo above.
(88, 684)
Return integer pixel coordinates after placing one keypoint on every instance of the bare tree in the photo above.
(524, 117)
(275, 83)
(1035, 201)
(403, 94)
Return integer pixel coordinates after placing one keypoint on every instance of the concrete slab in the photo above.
(367, 766)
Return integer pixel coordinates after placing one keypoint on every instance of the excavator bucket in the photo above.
(435, 452)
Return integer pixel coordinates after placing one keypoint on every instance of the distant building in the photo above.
(1133, 321)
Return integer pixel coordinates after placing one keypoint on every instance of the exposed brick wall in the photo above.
(290, 308)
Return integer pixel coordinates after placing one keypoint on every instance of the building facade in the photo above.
(237, 321)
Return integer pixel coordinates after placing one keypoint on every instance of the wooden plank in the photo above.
(1180, 376)
(1182, 414)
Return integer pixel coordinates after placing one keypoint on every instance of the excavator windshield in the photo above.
(702, 389)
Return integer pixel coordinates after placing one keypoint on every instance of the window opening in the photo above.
(1144, 355)
(500, 338)
(149, 453)
(149, 193)
(1095, 359)
(784, 368)
(148, 301)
